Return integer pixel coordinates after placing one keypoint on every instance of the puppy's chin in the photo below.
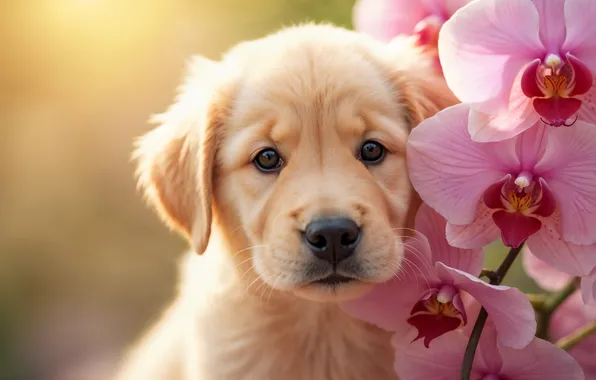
(333, 293)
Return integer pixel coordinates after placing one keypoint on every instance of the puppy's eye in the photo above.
(268, 160)
(372, 152)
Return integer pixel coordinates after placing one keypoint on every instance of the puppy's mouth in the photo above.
(334, 280)
(333, 288)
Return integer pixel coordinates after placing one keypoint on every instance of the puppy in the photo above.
(283, 164)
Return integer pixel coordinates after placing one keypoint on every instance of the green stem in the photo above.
(551, 303)
(496, 279)
(537, 300)
(568, 342)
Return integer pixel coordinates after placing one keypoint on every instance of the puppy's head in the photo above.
(294, 147)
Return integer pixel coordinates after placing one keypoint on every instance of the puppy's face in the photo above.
(309, 162)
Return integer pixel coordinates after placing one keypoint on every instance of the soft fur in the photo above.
(246, 307)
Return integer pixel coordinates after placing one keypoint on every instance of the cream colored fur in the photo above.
(233, 319)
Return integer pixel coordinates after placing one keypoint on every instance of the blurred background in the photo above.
(84, 265)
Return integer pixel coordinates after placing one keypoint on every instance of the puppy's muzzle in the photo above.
(332, 239)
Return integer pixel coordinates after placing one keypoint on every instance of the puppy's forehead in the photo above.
(304, 83)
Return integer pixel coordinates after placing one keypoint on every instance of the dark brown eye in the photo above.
(268, 160)
(372, 152)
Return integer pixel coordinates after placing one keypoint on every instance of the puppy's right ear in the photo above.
(423, 89)
(175, 160)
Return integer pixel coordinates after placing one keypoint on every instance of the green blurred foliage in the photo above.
(84, 265)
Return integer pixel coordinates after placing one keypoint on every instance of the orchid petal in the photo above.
(529, 83)
(539, 360)
(552, 24)
(487, 358)
(546, 276)
(581, 31)
(567, 318)
(515, 227)
(582, 76)
(572, 314)
(387, 305)
(448, 169)
(588, 286)
(419, 257)
(587, 112)
(519, 117)
(451, 6)
(569, 158)
(477, 234)
(473, 308)
(484, 46)
(442, 361)
(433, 225)
(548, 203)
(385, 19)
(509, 308)
(549, 246)
(492, 195)
(531, 146)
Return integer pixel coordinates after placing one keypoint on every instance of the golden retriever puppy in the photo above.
(284, 166)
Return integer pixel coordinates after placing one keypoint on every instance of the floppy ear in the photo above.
(175, 160)
(422, 88)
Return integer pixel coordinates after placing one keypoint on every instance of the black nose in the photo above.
(332, 239)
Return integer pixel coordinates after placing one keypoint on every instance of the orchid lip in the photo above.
(519, 204)
(554, 84)
(438, 312)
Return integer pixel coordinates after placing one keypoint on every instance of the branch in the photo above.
(568, 342)
(497, 278)
(551, 303)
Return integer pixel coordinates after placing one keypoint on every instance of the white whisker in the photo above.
(248, 248)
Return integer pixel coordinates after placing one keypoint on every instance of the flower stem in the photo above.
(497, 278)
(537, 300)
(568, 342)
(549, 306)
(489, 274)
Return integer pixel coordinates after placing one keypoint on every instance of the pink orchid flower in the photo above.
(572, 315)
(518, 61)
(552, 279)
(431, 295)
(539, 186)
(493, 361)
(385, 19)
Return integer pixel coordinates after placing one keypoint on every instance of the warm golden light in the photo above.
(77, 246)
